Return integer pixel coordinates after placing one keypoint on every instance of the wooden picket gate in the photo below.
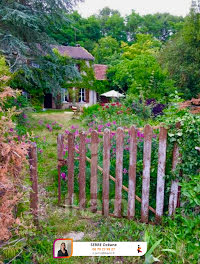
(131, 189)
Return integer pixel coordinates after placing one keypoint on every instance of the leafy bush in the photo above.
(88, 111)
(190, 194)
(12, 155)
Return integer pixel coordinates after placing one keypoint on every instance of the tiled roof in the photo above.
(194, 105)
(78, 53)
(100, 71)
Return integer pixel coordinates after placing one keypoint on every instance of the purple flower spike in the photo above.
(88, 140)
(63, 176)
(125, 171)
(108, 124)
(76, 133)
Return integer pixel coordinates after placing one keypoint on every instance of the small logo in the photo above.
(139, 249)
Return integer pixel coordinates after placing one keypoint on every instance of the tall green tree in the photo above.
(26, 44)
(112, 24)
(181, 57)
(160, 25)
(133, 24)
(138, 71)
(106, 50)
(24, 24)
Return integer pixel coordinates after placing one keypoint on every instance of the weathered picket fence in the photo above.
(118, 179)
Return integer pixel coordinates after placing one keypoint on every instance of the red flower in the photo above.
(113, 104)
(107, 106)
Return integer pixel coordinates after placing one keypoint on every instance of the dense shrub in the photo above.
(12, 155)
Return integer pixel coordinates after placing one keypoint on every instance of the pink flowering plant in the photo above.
(113, 113)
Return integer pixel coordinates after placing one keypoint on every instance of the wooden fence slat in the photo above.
(161, 173)
(82, 168)
(173, 198)
(93, 179)
(119, 171)
(60, 149)
(146, 173)
(123, 187)
(106, 171)
(71, 149)
(34, 181)
(132, 172)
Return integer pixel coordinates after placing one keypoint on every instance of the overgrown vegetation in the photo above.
(178, 236)
(12, 156)
(153, 59)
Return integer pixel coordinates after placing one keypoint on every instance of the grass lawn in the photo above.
(176, 245)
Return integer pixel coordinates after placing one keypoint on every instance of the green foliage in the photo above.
(174, 241)
(138, 70)
(25, 39)
(183, 50)
(106, 50)
(109, 23)
(24, 26)
(89, 111)
(112, 24)
(88, 79)
(4, 69)
(145, 45)
(161, 26)
(190, 194)
(142, 110)
(52, 75)
(187, 137)
(85, 31)
(19, 102)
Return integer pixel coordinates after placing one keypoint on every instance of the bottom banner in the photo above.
(99, 248)
(109, 248)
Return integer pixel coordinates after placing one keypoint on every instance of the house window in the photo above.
(65, 95)
(82, 95)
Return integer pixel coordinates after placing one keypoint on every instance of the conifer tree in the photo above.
(24, 24)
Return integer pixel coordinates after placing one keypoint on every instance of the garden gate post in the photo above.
(60, 150)
(34, 180)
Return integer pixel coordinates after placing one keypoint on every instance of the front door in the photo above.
(48, 100)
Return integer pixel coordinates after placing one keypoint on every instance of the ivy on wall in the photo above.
(88, 80)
